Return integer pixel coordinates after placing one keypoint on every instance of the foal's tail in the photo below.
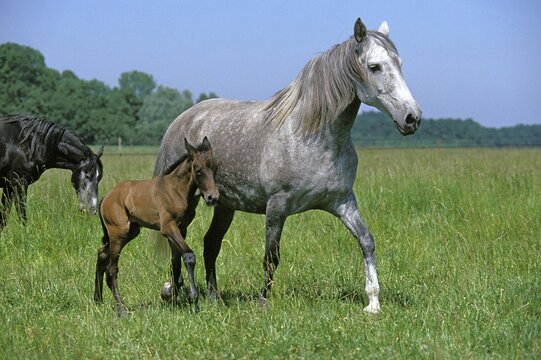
(105, 237)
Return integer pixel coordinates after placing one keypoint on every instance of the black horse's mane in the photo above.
(41, 135)
(45, 139)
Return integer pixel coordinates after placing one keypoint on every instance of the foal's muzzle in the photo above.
(211, 199)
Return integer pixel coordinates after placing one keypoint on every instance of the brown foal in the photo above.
(166, 203)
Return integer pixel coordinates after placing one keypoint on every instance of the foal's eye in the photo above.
(374, 67)
(198, 172)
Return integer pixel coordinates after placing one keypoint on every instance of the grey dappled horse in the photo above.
(293, 152)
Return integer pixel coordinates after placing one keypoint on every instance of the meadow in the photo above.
(458, 246)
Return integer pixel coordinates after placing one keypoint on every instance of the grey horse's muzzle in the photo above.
(411, 124)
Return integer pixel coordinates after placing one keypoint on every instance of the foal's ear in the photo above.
(205, 145)
(359, 30)
(190, 148)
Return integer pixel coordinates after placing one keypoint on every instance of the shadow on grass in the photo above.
(233, 297)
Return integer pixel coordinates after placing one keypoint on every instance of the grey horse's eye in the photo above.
(374, 67)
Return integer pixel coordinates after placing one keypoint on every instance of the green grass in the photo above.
(458, 235)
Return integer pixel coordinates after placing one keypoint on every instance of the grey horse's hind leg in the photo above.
(275, 219)
(221, 221)
(349, 215)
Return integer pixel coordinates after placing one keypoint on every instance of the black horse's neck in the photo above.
(69, 152)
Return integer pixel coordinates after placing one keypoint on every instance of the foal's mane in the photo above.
(180, 160)
(323, 89)
(175, 164)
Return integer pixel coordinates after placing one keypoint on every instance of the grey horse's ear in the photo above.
(205, 145)
(384, 28)
(190, 148)
(359, 30)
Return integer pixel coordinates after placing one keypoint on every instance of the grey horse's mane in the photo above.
(323, 89)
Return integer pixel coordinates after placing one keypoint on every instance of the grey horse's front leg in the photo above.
(348, 213)
(275, 219)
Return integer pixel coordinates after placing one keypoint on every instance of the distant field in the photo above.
(458, 236)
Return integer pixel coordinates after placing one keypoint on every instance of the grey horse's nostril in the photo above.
(411, 120)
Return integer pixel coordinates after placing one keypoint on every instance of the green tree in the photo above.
(22, 76)
(140, 83)
(158, 110)
(204, 96)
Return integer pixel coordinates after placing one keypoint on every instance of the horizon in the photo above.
(461, 61)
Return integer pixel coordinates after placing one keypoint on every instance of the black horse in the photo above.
(30, 145)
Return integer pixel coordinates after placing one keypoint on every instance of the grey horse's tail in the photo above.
(161, 162)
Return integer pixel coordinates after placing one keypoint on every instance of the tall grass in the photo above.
(458, 236)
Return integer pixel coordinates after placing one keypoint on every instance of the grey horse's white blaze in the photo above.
(384, 86)
(293, 152)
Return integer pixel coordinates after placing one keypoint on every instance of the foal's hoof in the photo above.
(167, 292)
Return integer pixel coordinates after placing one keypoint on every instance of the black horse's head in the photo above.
(85, 178)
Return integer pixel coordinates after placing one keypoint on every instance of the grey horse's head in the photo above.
(382, 84)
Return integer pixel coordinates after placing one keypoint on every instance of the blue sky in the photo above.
(462, 59)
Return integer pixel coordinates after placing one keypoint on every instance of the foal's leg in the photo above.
(118, 238)
(102, 262)
(101, 266)
(171, 231)
(275, 219)
(348, 213)
(176, 255)
(221, 221)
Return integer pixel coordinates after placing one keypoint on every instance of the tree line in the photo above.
(139, 111)
(374, 129)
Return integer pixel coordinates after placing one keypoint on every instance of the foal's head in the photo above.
(204, 170)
